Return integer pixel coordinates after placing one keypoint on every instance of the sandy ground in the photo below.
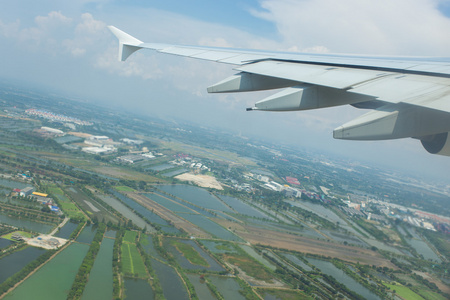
(41, 241)
(201, 180)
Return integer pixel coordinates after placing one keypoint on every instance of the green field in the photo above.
(124, 189)
(190, 253)
(250, 266)
(284, 294)
(130, 236)
(132, 263)
(404, 292)
(67, 206)
(22, 233)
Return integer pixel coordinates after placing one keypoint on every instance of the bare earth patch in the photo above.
(201, 180)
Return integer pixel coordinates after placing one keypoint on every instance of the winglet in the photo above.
(127, 43)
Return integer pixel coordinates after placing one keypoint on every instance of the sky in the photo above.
(64, 48)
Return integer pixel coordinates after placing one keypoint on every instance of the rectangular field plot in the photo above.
(132, 263)
(130, 236)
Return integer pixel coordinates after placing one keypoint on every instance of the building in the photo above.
(26, 191)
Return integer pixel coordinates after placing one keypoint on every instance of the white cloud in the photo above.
(401, 27)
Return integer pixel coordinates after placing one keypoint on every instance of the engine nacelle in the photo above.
(437, 143)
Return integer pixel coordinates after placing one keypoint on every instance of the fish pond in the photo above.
(66, 230)
(173, 287)
(184, 203)
(160, 167)
(219, 247)
(25, 223)
(227, 287)
(14, 262)
(195, 195)
(201, 289)
(151, 216)
(5, 243)
(244, 208)
(124, 210)
(87, 235)
(54, 280)
(211, 227)
(137, 289)
(100, 284)
(330, 269)
(297, 261)
(174, 173)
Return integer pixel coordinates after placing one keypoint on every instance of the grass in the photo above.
(404, 292)
(55, 191)
(284, 294)
(71, 210)
(250, 266)
(132, 261)
(22, 233)
(130, 236)
(190, 253)
(124, 189)
(427, 294)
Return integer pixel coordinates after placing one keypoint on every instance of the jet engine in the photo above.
(437, 143)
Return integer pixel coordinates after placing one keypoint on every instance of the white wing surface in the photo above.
(409, 97)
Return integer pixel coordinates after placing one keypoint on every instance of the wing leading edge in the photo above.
(410, 97)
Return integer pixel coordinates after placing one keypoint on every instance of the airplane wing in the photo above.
(408, 97)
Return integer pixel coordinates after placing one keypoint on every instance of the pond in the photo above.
(160, 167)
(137, 289)
(5, 243)
(66, 230)
(297, 261)
(170, 205)
(211, 227)
(147, 243)
(27, 224)
(124, 210)
(14, 262)
(184, 203)
(174, 173)
(184, 262)
(13, 184)
(201, 289)
(195, 195)
(173, 287)
(227, 287)
(87, 235)
(243, 208)
(56, 276)
(330, 269)
(151, 216)
(100, 284)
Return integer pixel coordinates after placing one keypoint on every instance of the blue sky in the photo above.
(64, 46)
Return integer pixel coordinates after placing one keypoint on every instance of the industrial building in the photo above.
(26, 191)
